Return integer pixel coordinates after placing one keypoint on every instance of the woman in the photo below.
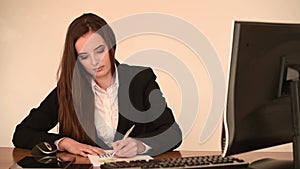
(98, 99)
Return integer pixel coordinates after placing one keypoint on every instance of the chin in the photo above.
(102, 74)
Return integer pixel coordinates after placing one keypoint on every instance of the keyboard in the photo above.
(210, 162)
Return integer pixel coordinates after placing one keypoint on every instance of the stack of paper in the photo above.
(97, 161)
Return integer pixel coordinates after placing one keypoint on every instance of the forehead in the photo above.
(89, 41)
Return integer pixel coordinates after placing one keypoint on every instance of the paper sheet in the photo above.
(97, 161)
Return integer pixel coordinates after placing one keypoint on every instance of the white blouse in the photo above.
(106, 110)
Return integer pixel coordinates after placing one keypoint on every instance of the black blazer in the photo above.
(140, 102)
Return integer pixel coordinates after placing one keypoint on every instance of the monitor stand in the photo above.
(268, 163)
(293, 77)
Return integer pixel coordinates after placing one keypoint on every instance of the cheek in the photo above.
(85, 64)
(106, 58)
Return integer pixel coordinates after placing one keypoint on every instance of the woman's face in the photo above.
(93, 54)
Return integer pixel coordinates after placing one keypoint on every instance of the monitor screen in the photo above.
(258, 107)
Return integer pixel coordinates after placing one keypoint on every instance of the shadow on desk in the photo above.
(269, 163)
(10, 155)
(18, 154)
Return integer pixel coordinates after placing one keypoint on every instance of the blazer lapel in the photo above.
(123, 95)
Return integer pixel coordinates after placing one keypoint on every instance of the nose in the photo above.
(94, 60)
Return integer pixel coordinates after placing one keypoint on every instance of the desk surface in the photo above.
(9, 155)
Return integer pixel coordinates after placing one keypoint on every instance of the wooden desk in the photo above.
(9, 155)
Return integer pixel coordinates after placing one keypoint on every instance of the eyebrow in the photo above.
(98, 47)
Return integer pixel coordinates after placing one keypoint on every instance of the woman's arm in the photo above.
(162, 134)
(34, 128)
(154, 122)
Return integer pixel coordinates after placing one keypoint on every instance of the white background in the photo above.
(32, 35)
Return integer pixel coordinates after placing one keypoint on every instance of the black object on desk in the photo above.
(52, 162)
(48, 162)
(44, 149)
(212, 161)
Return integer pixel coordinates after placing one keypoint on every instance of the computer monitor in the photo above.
(258, 111)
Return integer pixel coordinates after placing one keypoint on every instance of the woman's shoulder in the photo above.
(135, 72)
(51, 97)
(134, 68)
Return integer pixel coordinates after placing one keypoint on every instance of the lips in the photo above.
(99, 68)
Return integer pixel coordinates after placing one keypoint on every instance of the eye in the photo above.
(83, 57)
(100, 50)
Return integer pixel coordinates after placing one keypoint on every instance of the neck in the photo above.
(105, 82)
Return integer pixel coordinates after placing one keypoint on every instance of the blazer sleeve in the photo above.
(34, 128)
(163, 133)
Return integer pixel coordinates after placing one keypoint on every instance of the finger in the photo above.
(99, 151)
(89, 151)
(83, 154)
(128, 150)
(118, 145)
(127, 153)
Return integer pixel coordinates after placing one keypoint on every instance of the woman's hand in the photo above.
(74, 147)
(128, 147)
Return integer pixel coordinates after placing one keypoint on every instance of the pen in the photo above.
(125, 136)
(128, 132)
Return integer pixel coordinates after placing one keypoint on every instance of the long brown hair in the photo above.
(75, 97)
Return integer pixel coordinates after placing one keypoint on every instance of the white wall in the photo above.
(32, 34)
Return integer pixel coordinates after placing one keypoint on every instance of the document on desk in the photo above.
(97, 161)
